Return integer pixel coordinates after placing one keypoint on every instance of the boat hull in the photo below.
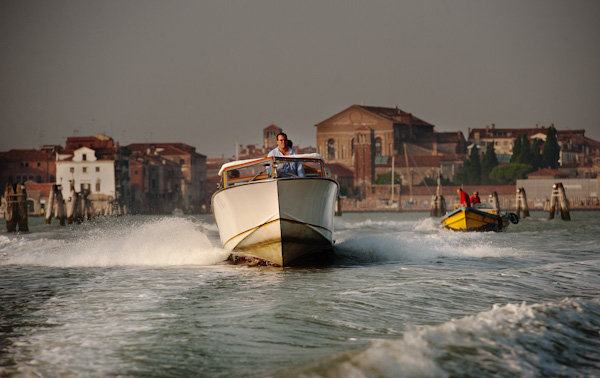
(470, 219)
(282, 222)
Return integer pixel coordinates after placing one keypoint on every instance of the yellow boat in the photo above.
(478, 218)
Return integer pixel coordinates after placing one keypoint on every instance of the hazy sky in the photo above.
(208, 72)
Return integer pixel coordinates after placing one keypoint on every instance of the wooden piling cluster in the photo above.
(56, 206)
(522, 203)
(438, 204)
(559, 198)
(15, 196)
(77, 209)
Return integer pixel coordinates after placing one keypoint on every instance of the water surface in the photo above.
(153, 296)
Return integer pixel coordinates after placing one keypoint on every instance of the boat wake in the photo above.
(157, 242)
(417, 246)
(548, 339)
(426, 224)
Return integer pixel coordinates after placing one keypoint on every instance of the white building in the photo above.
(83, 170)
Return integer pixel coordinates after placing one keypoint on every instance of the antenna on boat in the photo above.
(237, 149)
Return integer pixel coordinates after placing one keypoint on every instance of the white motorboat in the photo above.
(271, 217)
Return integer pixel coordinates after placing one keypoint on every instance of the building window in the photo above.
(84, 169)
(52, 178)
(331, 149)
(98, 186)
(181, 161)
(377, 146)
(97, 169)
(84, 157)
(352, 147)
(72, 169)
(38, 179)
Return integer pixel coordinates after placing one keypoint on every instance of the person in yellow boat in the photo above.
(283, 149)
(464, 197)
(475, 198)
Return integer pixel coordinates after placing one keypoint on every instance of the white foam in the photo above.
(403, 246)
(519, 339)
(165, 241)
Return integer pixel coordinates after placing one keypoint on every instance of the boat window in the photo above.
(262, 170)
(247, 173)
(312, 167)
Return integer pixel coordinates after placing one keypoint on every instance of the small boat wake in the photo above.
(417, 241)
(508, 340)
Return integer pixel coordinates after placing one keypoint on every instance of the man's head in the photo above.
(475, 194)
(458, 190)
(282, 141)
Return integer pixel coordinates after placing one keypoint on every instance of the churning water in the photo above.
(153, 297)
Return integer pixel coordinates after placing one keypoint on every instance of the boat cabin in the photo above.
(246, 171)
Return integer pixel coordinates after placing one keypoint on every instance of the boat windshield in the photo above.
(262, 169)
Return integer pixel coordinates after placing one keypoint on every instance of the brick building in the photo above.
(192, 166)
(392, 129)
(366, 138)
(27, 165)
(155, 184)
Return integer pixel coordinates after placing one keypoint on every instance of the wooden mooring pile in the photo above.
(522, 204)
(559, 200)
(438, 204)
(15, 196)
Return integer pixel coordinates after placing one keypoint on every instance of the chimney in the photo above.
(493, 126)
(487, 127)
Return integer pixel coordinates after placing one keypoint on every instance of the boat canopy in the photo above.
(313, 156)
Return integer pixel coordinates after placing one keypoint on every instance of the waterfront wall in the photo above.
(581, 193)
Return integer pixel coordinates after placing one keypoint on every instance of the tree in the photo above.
(551, 152)
(509, 174)
(460, 176)
(429, 181)
(473, 167)
(536, 153)
(516, 150)
(488, 163)
(525, 156)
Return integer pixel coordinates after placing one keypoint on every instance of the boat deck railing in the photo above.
(263, 169)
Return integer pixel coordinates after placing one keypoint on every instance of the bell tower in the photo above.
(364, 158)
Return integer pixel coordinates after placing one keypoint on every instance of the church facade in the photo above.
(366, 138)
